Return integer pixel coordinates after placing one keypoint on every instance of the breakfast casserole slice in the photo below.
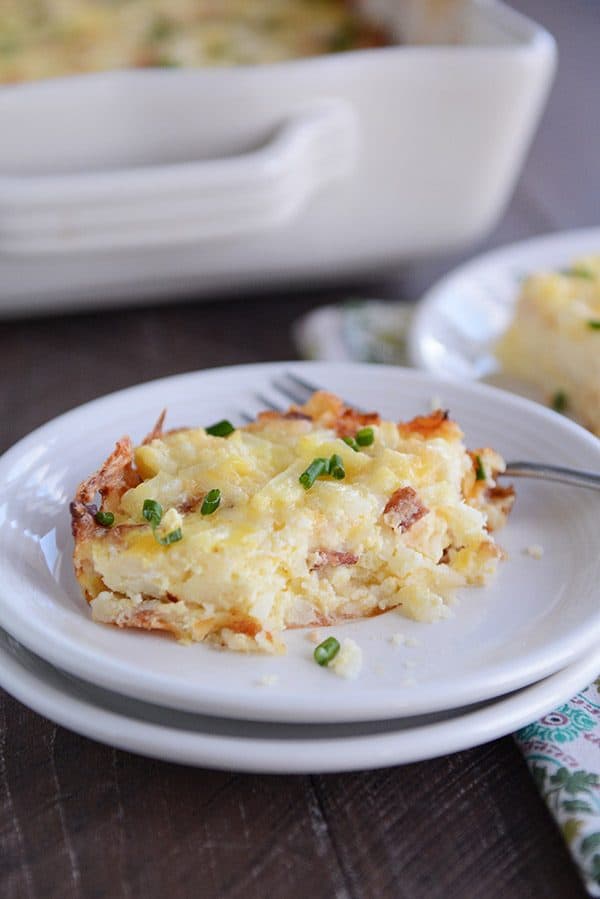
(299, 519)
(554, 339)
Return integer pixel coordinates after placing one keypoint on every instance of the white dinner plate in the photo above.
(459, 320)
(538, 616)
(274, 748)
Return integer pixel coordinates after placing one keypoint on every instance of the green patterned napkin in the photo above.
(562, 750)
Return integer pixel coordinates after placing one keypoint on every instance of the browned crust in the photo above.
(116, 475)
(154, 619)
(157, 431)
(436, 424)
(503, 500)
(327, 411)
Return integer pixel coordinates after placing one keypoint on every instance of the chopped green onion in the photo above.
(560, 401)
(106, 519)
(221, 429)
(594, 324)
(211, 503)
(335, 467)
(152, 512)
(316, 468)
(160, 29)
(365, 436)
(173, 537)
(350, 441)
(479, 469)
(579, 271)
(326, 651)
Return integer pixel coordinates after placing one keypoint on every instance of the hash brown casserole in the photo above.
(302, 518)
(554, 339)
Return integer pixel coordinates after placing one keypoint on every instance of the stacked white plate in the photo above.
(510, 653)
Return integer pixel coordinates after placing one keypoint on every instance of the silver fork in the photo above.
(300, 390)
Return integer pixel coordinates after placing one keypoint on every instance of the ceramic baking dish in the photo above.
(140, 184)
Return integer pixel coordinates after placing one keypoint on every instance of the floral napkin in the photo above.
(562, 750)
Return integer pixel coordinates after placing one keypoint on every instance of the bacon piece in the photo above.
(333, 557)
(296, 415)
(403, 509)
(498, 505)
(438, 424)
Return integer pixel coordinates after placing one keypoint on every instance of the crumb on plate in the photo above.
(348, 662)
(535, 551)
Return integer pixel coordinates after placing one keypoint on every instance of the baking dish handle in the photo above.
(186, 202)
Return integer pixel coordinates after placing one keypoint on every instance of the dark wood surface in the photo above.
(78, 819)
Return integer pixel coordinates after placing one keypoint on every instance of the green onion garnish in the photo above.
(316, 468)
(106, 519)
(211, 502)
(152, 512)
(221, 429)
(365, 436)
(560, 401)
(350, 441)
(594, 324)
(479, 469)
(326, 651)
(173, 537)
(579, 271)
(335, 467)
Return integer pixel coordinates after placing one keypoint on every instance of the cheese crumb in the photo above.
(268, 680)
(314, 636)
(171, 521)
(348, 661)
(535, 551)
(412, 642)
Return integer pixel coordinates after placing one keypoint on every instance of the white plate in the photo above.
(537, 617)
(273, 748)
(459, 320)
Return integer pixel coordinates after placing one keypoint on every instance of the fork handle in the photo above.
(553, 473)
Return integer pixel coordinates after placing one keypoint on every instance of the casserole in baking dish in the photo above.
(136, 184)
(50, 38)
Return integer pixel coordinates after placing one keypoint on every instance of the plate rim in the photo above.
(72, 657)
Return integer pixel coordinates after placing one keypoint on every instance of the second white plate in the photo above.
(459, 320)
(537, 617)
(273, 748)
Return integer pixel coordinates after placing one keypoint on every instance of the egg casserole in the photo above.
(49, 38)
(299, 519)
(554, 339)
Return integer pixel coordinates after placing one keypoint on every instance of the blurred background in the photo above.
(180, 182)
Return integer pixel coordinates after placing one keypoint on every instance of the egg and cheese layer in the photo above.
(400, 523)
(49, 38)
(554, 338)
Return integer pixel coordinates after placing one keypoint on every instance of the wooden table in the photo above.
(80, 819)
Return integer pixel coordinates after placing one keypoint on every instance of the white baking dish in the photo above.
(143, 184)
